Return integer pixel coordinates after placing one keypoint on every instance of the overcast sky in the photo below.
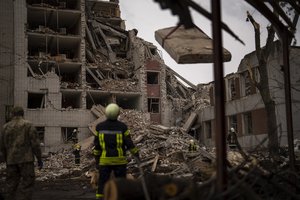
(147, 17)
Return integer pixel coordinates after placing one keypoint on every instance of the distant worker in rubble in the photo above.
(74, 136)
(111, 141)
(192, 146)
(19, 143)
(232, 139)
(76, 151)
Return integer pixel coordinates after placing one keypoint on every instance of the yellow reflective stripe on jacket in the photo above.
(99, 195)
(96, 152)
(102, 144)
(119, 144)
(134, 150)
(113, 160)
(127, 133)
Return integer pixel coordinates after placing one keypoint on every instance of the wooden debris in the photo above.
(154, 163)
(159, 187)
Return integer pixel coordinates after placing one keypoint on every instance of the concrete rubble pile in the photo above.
(163, 150)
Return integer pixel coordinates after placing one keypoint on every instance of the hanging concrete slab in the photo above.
(190, 121)
(188, 46)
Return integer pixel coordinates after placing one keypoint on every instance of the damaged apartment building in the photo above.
(244, 108)
(61, 58)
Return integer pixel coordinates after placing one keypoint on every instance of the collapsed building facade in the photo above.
(60, 59)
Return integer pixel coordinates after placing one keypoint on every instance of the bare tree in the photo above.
(262, 84)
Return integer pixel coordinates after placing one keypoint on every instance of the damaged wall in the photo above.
(6, 58)
(70, 56)
(245, 111)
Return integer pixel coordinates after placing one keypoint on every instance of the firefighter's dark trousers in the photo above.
(104, 175)
(77, 159)
(19, 181)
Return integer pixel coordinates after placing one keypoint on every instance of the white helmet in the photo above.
(112, 111)
(232, 129)
(191, 141)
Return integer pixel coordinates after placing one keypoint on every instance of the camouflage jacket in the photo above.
(19, 142)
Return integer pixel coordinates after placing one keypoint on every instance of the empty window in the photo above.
(36, 100)
(41, 133)
(231, 89)
(248, 123)
(207, 129)
(152, 77)
(71, 100)
(153, 105)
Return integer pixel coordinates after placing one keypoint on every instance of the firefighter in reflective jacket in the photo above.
(76, 151)
(192, 146)
(111, 141)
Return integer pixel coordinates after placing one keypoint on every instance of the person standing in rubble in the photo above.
(19, 143)
(111, 141)
(232, 139)
(76, 151)
(192, 146)
(74, 136)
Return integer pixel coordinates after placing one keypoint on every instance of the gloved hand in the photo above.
(40, 164)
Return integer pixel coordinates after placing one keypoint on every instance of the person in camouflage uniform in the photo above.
(19, 144)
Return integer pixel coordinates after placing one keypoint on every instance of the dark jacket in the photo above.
(111, 142)
(19, 142)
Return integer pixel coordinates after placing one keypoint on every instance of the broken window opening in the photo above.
(36, 100)
(247, 123)
(207, 129)
(63, 4)
(70, 80)
(104, 9)
(128, 102)
(90, 80)
(153, 105)
(153, 51)
(232, 122)
(152, 77)
(68, 134)
(41, 133)
(96, 99)
(54, 48)
(39, 68)
(232, 90)
(71, 100)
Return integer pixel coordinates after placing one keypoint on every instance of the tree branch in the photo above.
(256, 27)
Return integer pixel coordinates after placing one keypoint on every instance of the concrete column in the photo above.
(20, 54)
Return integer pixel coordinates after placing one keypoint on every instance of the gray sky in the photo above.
(147, 17)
